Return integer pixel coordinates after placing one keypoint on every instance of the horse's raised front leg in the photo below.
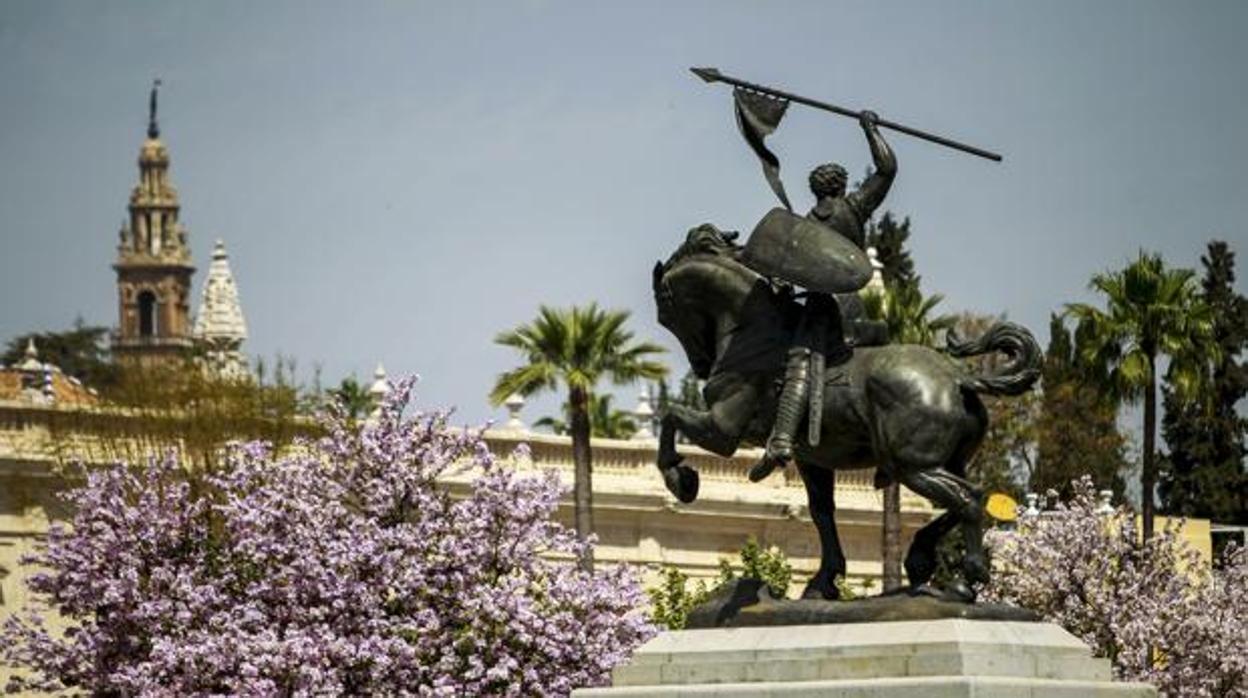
(717, 430)
(680, 480)
(821, 498)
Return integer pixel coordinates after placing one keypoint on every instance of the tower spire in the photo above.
(153, 128)
(153, 259)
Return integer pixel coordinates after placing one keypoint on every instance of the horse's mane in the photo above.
(704, 239)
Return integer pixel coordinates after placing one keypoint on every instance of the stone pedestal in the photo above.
(916, 659)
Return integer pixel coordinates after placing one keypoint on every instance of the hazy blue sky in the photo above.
(400, 181)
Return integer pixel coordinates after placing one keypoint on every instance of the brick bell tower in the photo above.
(153, 263)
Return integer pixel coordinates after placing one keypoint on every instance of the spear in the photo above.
(713, 75)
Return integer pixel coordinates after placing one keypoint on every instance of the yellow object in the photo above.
(1002, 507)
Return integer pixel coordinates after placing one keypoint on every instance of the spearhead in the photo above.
(707, 74)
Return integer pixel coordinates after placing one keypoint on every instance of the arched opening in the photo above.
(147, 314)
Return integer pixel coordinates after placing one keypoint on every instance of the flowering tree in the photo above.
(343, 568)
(1151, 607)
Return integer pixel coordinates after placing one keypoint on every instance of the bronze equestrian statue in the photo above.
(910, 412)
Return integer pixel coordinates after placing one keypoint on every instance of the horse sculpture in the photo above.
(911, 412)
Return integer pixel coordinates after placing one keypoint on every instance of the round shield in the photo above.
(806, 253)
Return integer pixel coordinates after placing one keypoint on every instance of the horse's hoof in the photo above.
(959, 591)
(927, 589)
(682, 481)
(762, 469)
(820, 592)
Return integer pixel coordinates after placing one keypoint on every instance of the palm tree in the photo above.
(605, 422)
(352, 397)
(903, 308)
(576, 347)
(906, 311)
(1151, 311)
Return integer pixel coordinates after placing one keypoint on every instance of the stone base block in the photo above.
(911, 659)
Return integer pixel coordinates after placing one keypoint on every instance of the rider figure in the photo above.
(820, 327)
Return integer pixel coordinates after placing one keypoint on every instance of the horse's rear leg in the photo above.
(923, 556)
(963, 503)
(922, 559)
(821, 498)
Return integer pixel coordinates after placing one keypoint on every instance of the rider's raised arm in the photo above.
(873, 190)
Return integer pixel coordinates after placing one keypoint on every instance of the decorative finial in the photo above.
(644, 413)
(377, 391)
(1105, 502)
(153, 129)
(1033, 501)
(514, 403)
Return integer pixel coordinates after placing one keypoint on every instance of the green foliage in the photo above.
(352, 397)
(81, 352)
(605, 422)
(1203, 474)
(888, 236)
(151, 409)
(768, 565)
(674, 597)
(907, 312)
(1076, 429)
(1151, 311)
(847, 592)
(576, 347)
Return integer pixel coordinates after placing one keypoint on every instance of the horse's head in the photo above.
(690, 287)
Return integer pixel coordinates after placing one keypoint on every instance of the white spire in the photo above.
(219, 323)
(220, 315)
(31, 361)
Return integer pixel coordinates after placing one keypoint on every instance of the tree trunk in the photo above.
(582, 456)
(1148, 478)
(891, 543)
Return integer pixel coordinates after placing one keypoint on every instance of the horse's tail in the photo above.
(1016, 342)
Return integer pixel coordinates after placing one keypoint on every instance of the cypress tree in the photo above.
(1203, 473)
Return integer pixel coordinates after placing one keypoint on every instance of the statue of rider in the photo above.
(821, 327)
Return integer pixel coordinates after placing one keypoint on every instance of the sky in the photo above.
(400, 181)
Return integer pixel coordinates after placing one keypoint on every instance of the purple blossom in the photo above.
(1154, 609)
(343, 568)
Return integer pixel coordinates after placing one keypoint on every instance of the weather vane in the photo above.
(153, 129)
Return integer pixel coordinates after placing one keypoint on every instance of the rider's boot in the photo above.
(789, 410)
